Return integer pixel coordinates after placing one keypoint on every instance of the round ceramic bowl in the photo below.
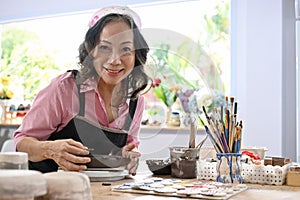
(159, 167)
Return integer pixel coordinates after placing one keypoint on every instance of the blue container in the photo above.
(229, 168)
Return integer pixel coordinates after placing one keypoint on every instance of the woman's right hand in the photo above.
(68, 154)
(128, 152)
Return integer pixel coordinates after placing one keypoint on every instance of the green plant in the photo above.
(166, 94)
(5, 90)
(171, 67)
(27, 61)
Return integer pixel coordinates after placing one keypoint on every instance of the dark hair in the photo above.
(137, 80)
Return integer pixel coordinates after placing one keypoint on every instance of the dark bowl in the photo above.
(159, 167)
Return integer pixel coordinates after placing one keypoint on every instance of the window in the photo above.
(43, 48)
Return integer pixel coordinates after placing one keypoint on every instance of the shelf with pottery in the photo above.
(172, 123)
(12, 118)
(15, 122)
(12, 115)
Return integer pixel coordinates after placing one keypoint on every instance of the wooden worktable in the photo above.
(254, 191)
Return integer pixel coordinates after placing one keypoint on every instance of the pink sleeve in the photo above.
(50, 111)
(136, 123)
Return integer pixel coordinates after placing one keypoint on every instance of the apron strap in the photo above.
(81, 95)
(81, 102)
(132, 107)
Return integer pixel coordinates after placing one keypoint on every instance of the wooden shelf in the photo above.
(166, 127)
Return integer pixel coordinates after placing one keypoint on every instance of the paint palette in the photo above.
(182, 188)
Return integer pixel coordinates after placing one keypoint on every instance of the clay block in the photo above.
(268, 161)
(293, 178)
(278, 161)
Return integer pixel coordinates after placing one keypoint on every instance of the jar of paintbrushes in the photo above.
(225, 133)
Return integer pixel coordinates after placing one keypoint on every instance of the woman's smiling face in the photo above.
(114, 55)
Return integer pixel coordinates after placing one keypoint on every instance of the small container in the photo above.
(278, 161)
(174, 119)
(260, 151)
(268, 161)
(293, 178)
(14, 160)
(184, 162)
(229, 168)
(159, 167)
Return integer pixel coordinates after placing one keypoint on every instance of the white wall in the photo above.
(155, 142)
(263, 70)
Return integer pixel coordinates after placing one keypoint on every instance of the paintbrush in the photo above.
(213, 130)
(231, 124)
(213, 141)
(199, 145)
(227, 121)
(238, 141)
(222, 131)
(222, 115)
(235, 109)
(226, 103)
(240, 128)
(218, 127)
(231, 104)
(217, 134)
(235, 113)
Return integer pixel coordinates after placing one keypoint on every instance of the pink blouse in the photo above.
(58, 103)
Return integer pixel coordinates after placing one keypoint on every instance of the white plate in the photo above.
(106, 169)
(106, 175)
(104, 179)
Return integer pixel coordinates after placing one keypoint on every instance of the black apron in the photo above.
(101, 140)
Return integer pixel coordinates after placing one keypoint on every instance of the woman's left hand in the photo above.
(128, 152)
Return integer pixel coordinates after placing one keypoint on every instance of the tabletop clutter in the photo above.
(225, 134)
(181, 188)
(229, 161)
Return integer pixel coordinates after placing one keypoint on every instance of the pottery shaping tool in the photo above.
(193, 131)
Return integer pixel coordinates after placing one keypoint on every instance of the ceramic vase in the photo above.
(229, 168)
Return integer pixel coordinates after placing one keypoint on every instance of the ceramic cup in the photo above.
(183, 162)
(13, 160)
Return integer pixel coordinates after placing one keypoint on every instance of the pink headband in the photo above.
(123, 10)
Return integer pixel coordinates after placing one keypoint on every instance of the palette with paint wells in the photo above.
(182, 188)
